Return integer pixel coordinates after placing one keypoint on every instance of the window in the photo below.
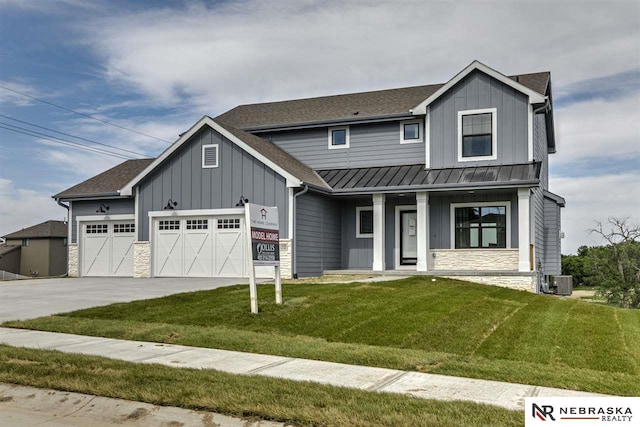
(228, 223)
(210, 156)
(364, 222)
(124, 228)
(197, 224)
(96, 229)
(483, 226)
(25, 242)
(339, 137)
(411, 131)
(65, 242)
(170, 224)
(477, 135)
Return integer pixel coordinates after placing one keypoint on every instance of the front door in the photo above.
(408, 237)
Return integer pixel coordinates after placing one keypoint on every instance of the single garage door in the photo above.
(107, 248)
(199, 247)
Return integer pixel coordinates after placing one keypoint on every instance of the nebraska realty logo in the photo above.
(582, 411)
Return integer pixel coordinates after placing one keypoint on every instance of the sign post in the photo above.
(263, 236)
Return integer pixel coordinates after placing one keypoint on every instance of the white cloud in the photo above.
(598, 128)
(21, 208)
(248, 51)
(592, 199)
(7, 97)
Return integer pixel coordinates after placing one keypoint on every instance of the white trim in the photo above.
(70, 224)
(494, 134)
(427, 139)
(378, 232)
(534, 97)
(119, 217)
(137, 211)
(330, 137)
(290, 213)
(524, 228)
(397, 249)
(530, 134)
(452, 221)
(358, 234)
(422, 215)
(420, 124)
(292, 181)
(204, 147)
(196, 212)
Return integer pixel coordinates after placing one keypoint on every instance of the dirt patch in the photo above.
(6, 398)
(137, 414)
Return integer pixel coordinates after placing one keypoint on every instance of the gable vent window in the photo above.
(210, 156)
(338, 137)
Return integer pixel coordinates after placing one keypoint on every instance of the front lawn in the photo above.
(447, 326)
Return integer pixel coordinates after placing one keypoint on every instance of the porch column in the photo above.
(524, 227)
(422, 202)
(378, 232)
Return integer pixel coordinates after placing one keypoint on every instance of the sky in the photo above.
(153, 69)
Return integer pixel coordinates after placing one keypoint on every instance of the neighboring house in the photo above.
(40, 250)
(448, 179)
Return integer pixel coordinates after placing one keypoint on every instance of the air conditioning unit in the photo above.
(563, 285)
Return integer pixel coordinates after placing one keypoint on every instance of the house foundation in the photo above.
(72, 269)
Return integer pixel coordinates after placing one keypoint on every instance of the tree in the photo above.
(615, 267)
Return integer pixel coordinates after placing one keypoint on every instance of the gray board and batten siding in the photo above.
(318, 233)
(371, 144)
(89, 207)
(183, 179)
(477, 91)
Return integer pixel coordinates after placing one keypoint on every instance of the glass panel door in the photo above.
(408, 237)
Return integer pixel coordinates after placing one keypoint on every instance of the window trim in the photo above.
(358, 234)
(204, 147)
(330, 138)
(421, 131)
(494, 134)
(452, 221)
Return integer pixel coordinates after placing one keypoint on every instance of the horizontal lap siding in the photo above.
(89, 207)
(474, 92)
(552, 263)
(183, 179)
(373, 144)
(318, 235)
(357, 253)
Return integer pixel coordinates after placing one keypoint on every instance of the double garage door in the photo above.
(107, 248)
(208, 246)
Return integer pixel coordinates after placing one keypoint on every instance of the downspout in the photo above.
(294, 255)
(69, 237)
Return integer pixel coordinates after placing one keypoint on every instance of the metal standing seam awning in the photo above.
(416, 177)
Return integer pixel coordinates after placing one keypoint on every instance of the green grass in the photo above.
(298, 403)
(448, 327)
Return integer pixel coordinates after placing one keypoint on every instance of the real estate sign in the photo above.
(265, 235)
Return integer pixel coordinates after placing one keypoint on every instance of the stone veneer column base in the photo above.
(521, 283)
(72, 263)
(141, 259)
(474, 259)
(285, 259)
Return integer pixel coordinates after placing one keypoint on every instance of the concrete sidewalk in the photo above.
(22, 406)
(426, 386)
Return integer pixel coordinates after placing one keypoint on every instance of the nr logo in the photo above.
(542, 412)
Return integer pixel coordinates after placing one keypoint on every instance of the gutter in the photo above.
(322, 123)
(58, 201)
(294, 261)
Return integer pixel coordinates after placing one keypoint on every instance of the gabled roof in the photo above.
(365, 105)
(5, 249)
(46, 229)
(292, 169)
(414, 177)
(558, 199)
(107, 183)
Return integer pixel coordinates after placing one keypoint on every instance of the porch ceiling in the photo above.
(416, 177)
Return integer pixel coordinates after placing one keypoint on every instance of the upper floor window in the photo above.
(25, 242)
(477, 135)
(411, 131)
(339, 137)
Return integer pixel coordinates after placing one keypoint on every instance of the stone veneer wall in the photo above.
(474, 259)
(521, 283)
(72, 264)
(285, 259)
(141, 259)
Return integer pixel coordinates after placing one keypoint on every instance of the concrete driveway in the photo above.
(26, 299)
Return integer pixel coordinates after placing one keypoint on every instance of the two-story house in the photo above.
(446, 179)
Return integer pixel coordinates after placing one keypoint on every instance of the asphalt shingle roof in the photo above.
(108, 182)
(44, 230)
(344, 180)
(380, 103)
(5, 249)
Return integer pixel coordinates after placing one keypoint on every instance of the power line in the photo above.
(72, 136)
(83, 114)
(62, 141)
